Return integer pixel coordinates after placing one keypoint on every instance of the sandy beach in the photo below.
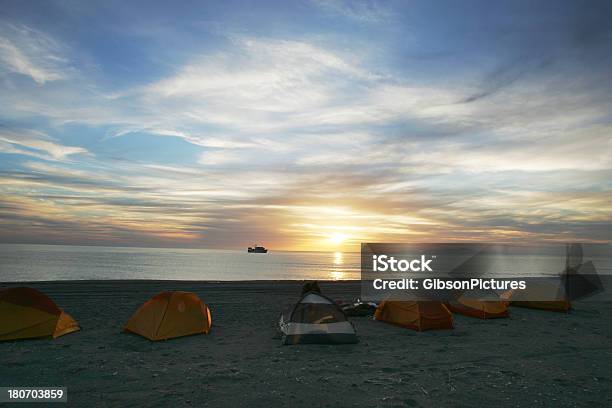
(534, 358)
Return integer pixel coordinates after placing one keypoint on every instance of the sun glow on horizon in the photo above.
(337, 238)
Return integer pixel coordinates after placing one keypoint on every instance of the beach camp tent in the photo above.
(170, 314)
(480, 304)
(316, 319)
(578, 280)
(416, 315)
(523, 299)
(27, 313)
(550, 290)
(483, 309)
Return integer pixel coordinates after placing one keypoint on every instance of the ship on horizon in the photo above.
(255, 249)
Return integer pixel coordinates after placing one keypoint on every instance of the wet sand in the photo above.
(532, 359)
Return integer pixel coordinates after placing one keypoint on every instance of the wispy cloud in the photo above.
(36, 144)
(369, 11)
(29, 52)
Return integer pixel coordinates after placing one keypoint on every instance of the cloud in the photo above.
(29, 52)
(204, 141)
(287, 90)
(266, 94)
(259, 75)
(295, 134)
(32, 143)
(131, 203)
(369, 11)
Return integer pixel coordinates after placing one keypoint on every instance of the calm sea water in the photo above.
(59, 262)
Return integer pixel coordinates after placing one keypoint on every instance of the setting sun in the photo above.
(337, 238)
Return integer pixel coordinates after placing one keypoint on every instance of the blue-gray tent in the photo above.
(316, 319)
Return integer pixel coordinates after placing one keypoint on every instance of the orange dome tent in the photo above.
(483, 309)
(27, 313)
(480, 304)
(420, 315)
(560, 303)
(170, 314)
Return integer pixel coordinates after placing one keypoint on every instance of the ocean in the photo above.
(20, 262)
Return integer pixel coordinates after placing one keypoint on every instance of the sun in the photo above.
(337, 238)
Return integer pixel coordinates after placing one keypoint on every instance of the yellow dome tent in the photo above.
(419, 315)
(27, 313)
(170, 314)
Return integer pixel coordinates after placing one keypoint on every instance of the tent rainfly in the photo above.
(27, 313)
(480, 304)
(169, 315)
(415, 315)
(551, 290)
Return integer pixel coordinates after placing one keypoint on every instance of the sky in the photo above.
(304, 125)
